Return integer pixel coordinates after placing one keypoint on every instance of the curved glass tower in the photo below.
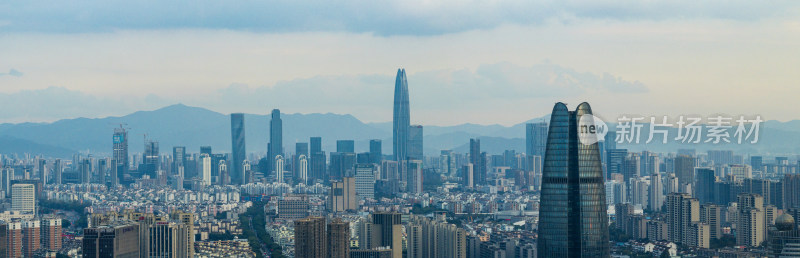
(401, 118)
(572, 214)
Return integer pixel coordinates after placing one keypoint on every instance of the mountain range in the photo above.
(181, 125)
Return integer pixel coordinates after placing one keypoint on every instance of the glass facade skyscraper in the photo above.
(275, 136)
(401, 118)
(572, 219)
(238, 148)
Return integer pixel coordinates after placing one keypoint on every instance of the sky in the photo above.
(482, 62)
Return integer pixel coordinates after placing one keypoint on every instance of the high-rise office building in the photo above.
(415, 143)
(684, 170)
(309, 238)
(86, 171)
(317, 161)
(535, 138)
(119, 239)
(375, 151)
(151, 160)
(41, 171)
(275, 137)
(343, 195)
(338, 239)
(58, 169)
(300, 149)
(23, 198)
(345, 146)
(615, 161)
(703, 186)
(169, 239)
(401, 118)
(414, 176)
(573, 220)
(365, 180)
(120, 152)
(791, 191)
(468, 176)
(342, 164)
(239, 149)
(478, 160)
(386, 231)
(178, 158)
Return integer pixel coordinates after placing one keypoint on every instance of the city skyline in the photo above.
(399, 129)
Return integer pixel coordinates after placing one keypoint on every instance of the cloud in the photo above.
(12, 72)
(415, 17)
(366, 96)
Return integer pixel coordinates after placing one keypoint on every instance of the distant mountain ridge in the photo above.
(181, 125)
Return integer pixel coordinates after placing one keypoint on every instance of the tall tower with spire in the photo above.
(401, 118)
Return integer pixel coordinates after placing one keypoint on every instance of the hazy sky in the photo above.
(467, 61)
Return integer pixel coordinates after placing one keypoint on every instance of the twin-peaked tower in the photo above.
(572, 215)
(401, 118)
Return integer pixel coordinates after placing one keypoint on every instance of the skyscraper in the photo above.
(573, 220)
(150, 166)
(684, 170)
(343, 195)
(300, 149)
(275, 137)
(23, 198)
(317, 161)
(375, 152)
(535, 138)
(478, 160)
(178, 158)
(365, 180)
(414, 174)
(401, 117)
(415, 143)
(302, 169)
(345, 146)
(703, 186)
(42, 171)
(120, 149)
(205, 168)
(386, 231)
(238, 146)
